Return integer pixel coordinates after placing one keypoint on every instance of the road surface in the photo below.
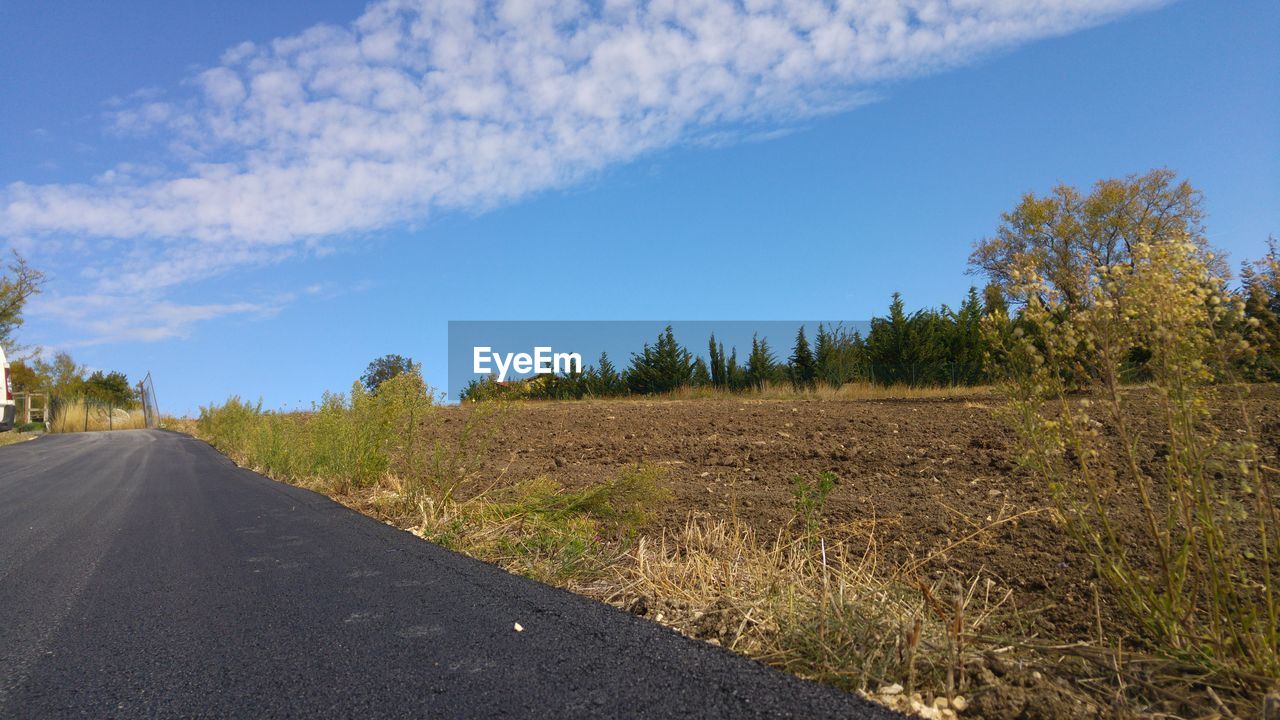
(144, 574)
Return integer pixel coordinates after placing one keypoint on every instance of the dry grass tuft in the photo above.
(820, 608)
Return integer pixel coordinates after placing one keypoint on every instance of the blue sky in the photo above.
(265, 218)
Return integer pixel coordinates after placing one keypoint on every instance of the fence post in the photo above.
(86, 414)
(111, 417)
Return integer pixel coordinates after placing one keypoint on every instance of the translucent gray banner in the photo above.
(509, 351)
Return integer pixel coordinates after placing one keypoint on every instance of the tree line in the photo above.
(65, 379)
(928, 347)
(1059, 244)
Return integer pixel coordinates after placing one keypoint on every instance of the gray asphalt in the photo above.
(142, 574)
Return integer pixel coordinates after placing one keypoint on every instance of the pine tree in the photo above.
(966, 347)
(803, 367)
(824, 357)
(735, 375)
(886, 343)
(608, 382)
(700, 377)
(993, 302)
(906, 348)
(718, 378)
(838, 355)
(661, 367)
(761, 365)
(1260, 286)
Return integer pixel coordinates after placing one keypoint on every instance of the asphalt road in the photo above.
(143, 574)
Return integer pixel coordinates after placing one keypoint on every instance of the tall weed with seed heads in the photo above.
(1209, 513)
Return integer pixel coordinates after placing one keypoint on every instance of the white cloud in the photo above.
(106, 318)
(422, 105)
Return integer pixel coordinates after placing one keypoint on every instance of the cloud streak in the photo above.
(423, 105)
(100, 317)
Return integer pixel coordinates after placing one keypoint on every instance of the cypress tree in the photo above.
(824, 357)
(761, 365)
(700, 377)
(735, 375)
(717, 363)
(910, 348)
(803, 367)
(965, 346)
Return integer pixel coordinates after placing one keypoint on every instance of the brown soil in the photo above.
(923, 474)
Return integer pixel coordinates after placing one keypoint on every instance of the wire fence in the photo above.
(147, 396)
(87, 411)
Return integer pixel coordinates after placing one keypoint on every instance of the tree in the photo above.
(993, 301)
(64, 377)
(735, 376)
(838, 355)
(112, 388)
(606, 381)
(661, 367)
(25, 378)
(824, 359)
(908, 348)
(16, 288)
(700, 376)
(1260, 286)
(384, 368)
(803, 367)
(719, 376)
(762, 368)
(966, 348)
(1066, 236)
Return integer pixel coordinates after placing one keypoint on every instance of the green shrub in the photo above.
(344, 443)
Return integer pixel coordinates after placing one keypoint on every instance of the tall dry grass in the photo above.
(79, 416)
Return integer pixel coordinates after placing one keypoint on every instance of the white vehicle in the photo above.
(8, 409)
